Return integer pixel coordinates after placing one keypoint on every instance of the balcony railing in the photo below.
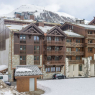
(59, 62)
(73, 44)
(36, 62)
(22, 62)
(36, 52)
(52, 52)
(91, 35)
(54, 43)
(76, 62)
(92, 61)
(91, 45)
(75, 53)
(22, 52)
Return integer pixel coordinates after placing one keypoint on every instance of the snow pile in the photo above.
(80, 86)
(23, 70)
(6, 90)
(3, 67)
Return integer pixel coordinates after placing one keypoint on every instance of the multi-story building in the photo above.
(53, 48)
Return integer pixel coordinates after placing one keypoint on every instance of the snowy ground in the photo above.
(79, 86)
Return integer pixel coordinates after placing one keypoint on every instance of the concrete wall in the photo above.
(4, 54)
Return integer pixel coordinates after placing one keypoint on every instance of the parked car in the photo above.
(8, 83)
(4, 78)
(59, 76)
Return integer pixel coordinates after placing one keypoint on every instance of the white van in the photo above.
(4, 78)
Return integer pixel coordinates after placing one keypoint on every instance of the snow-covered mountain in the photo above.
(41, 13)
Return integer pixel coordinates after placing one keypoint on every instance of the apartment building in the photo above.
(54, 48)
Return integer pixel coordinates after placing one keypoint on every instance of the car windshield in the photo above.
(59, 75)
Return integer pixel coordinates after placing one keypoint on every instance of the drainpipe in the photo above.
(11, 50)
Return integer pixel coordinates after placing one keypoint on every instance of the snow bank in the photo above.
(3, 67)
(79, 86)
(23, 70)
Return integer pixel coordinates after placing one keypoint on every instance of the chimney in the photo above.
(32, 17)
(40, 23)
(80, 21)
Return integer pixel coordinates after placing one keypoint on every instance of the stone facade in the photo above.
(30, 59)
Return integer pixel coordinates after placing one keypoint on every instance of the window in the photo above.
(52, 69)
(36, 47)
(1, 77)
(56, 58)
(77, 41)
(36, 57)
(58, 69)
(69, 57)
(80, 67)
(89, 49)
(22, 47)
(89, 32)
(56, 38)
(48, 48)
(56, 48)
(48, 69)
(22, 57)
(36, 38)
(48, 58)
(68, 49)
(78, 57)
(22, 37)
(77, 49)
(90, 57)
(48, 38)
(89, 41)
(68, 40)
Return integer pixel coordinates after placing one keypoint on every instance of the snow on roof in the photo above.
(92, 27)
(29, 70)
(72, 34)
(16, 27)
(23, 70)
(45, 28)
(3, 67)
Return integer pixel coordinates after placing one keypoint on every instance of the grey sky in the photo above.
(83, 9)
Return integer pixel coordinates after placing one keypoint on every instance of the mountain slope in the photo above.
(41, 14)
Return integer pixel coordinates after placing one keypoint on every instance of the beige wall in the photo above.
(92, 70)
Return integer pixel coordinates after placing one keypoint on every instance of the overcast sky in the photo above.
(83, 9)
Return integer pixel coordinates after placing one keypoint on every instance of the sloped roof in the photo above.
(29, 70)
(72, 34)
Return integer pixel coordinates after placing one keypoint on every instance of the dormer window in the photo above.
(56, 38)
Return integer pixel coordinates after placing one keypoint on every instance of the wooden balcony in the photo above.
(91, 36)
(54, 43)
(22, 52)
(36, 52)
(90, 45)
(92, 61)
(75, 53)
(60, 52)
(36, 62)
(76, 62)
(22, 62)
(60, 62)
(73, 44)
